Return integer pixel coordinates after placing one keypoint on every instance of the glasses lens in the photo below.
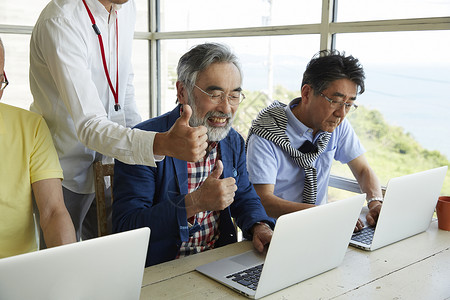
(216, 96)
(235, 98)
(350, 108)
(347, 107)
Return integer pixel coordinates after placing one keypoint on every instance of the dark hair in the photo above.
(330, 65)
(201, 57)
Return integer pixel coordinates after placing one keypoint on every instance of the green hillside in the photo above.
(392, 151)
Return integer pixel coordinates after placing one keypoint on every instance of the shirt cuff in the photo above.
(159, 158)
(264, 223)
(143, 148)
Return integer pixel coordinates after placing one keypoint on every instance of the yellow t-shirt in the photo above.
(27, 155)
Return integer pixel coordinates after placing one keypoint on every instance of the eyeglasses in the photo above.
(4, 83)
(338, 104)
(216, 97)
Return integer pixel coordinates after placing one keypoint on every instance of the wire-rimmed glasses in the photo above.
(338, 104)
(4, 83)
(217, 96)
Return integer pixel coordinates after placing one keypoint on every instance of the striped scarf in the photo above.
(271, 124)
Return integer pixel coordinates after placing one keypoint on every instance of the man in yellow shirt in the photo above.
(29, 164)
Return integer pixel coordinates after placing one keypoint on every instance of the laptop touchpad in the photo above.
(249, 258)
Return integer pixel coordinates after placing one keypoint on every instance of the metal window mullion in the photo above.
(439, 23)
(16, 29)
(327, 18)
(154, 90)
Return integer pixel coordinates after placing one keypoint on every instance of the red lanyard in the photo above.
(115, 92)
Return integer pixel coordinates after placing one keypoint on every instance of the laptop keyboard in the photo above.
(365, 235)
(249, 277)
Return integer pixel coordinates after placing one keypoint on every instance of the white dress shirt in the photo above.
(70, 88)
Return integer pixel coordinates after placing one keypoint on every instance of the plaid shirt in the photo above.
(207, 221)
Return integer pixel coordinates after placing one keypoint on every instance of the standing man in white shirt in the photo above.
(81, 80)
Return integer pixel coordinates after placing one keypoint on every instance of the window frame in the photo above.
(326, 29)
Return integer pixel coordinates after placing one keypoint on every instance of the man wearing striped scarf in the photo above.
(290, 148)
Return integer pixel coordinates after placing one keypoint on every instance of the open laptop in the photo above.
(408, 208)
(304, 244)
(109, 267)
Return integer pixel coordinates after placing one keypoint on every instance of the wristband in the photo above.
(264, 223)
(374, 199)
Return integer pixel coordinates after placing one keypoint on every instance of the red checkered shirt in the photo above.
(208, 221)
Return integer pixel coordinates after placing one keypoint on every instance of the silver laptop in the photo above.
(109, 267)
(303, 245)
(408, 208)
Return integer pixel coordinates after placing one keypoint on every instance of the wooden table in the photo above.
(414, 268)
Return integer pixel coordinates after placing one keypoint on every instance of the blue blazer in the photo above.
(154, 196)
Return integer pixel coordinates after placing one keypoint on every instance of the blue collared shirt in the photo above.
(268, 164)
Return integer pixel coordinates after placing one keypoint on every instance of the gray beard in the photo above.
(215, 134)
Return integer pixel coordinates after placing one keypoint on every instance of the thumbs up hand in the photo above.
(213, 195)
(182, 141)
(185, 115)
(217, 170)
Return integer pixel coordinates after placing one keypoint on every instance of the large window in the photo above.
(364, 10)
(181, 15)
(267, 64)
(406, 100)
(407, 80)
(16, 66)
(16, 23)
(402, 45)
(24, 13)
